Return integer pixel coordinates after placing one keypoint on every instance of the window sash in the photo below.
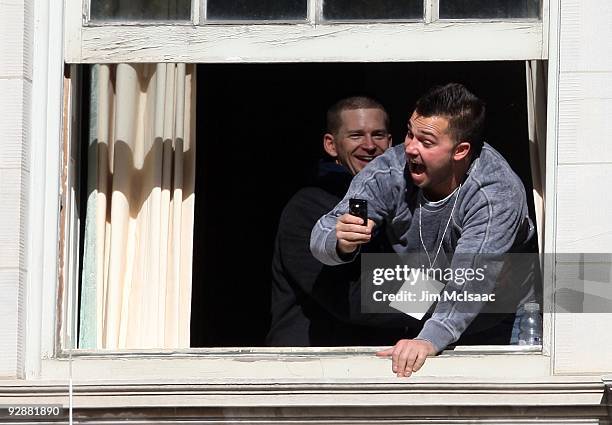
(309, 41)
(314, 15)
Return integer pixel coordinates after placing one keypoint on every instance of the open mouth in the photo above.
(416, 167)
(365, 158)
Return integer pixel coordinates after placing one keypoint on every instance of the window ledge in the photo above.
(305, 368)
(346, 389)
(276, 352)
(553, 391)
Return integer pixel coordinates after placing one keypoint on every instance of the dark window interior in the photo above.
(261, 9)
(492, 9)
(259, 136)
(380, 9)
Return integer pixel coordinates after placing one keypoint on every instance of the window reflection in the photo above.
(256, 9)
(372, 9)
(140, 10)
(500, 9)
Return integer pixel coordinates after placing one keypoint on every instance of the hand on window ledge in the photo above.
(408, 355)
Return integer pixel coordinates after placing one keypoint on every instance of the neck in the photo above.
(447, 187)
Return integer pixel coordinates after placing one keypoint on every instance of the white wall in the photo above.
(16, 20)
(584, 174)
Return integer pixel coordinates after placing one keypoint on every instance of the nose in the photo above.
(368, 143)
(410, 145)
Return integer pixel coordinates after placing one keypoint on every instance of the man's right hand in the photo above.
(351, 232)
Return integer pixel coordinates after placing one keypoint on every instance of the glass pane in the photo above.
(373, 9)
(463, 9)
(140, 10)
(256, 9)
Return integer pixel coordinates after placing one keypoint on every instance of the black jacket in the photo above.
(313, 304)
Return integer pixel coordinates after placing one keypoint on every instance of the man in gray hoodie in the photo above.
(442, 190)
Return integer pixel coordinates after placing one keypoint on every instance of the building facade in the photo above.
(568, 57)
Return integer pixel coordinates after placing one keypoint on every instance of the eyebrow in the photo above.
(425, 131)
(361, 131)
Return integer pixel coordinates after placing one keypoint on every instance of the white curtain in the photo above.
(536, 117)
(136, 281)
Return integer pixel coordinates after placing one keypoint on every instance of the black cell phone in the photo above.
(359, 208)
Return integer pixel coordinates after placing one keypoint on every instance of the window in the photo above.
(298, 10)
(497, 9)
(275, 143)
(260, 10)
(385, 9)
(267, 156)
(170, 10)
(338, 42)
(330, 32)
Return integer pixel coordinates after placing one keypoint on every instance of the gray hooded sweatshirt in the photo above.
(490, 216)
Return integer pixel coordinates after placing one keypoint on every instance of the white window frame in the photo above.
(313, 40)
(507, 40)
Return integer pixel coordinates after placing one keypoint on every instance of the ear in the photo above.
(329, 145)
(462, 151)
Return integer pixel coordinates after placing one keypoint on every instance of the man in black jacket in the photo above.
(311, 302)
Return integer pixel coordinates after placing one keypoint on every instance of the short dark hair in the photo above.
(334, 119)
(465, 112)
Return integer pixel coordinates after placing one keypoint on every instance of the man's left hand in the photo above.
(408, 355)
